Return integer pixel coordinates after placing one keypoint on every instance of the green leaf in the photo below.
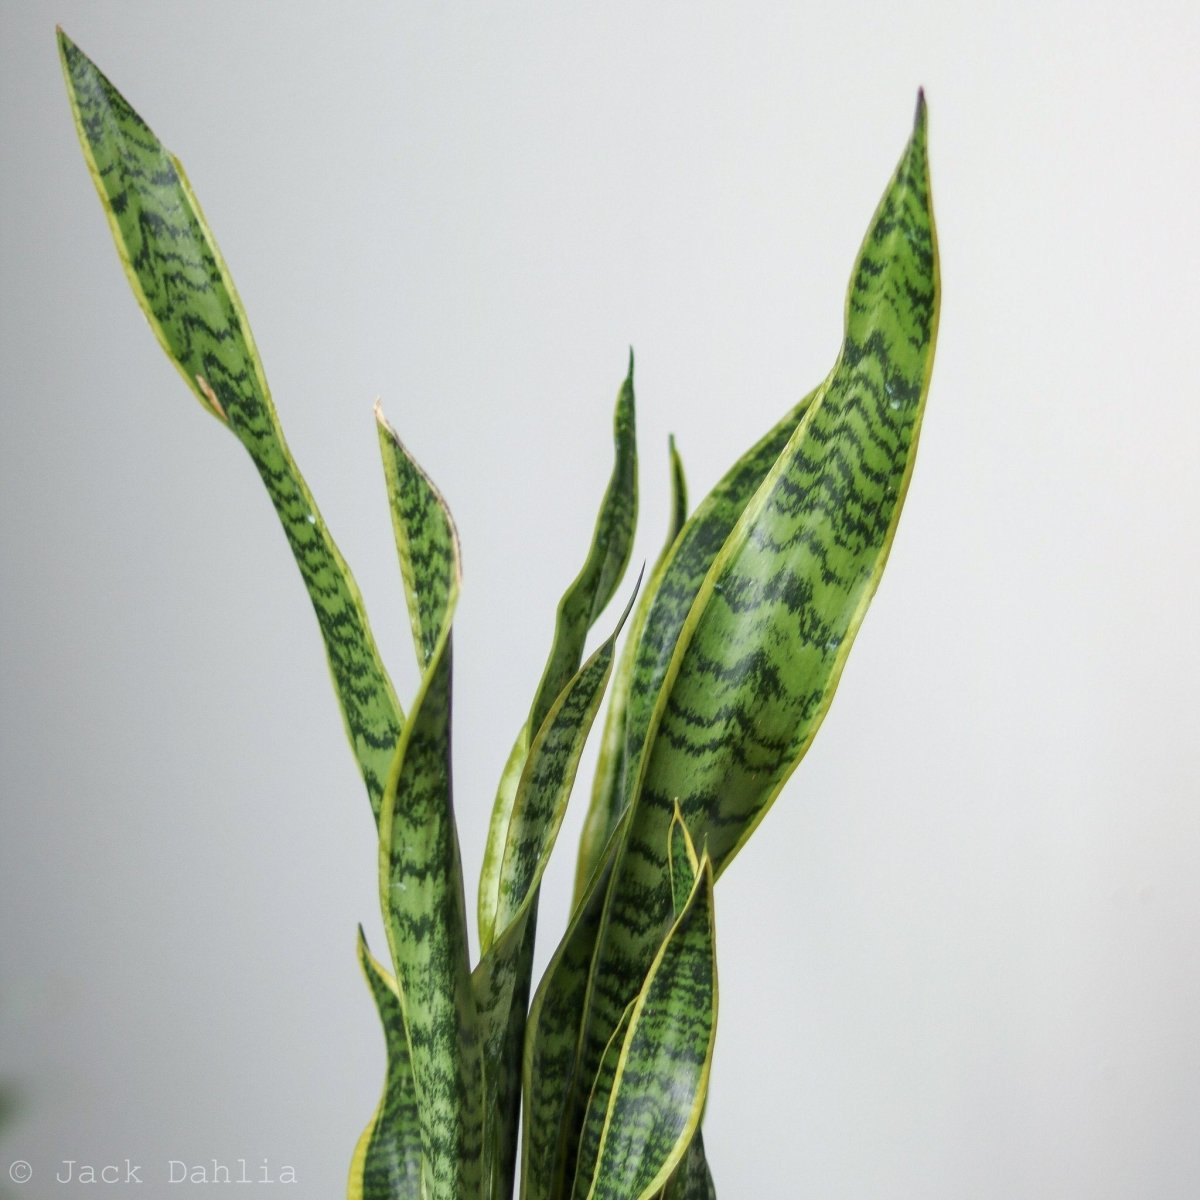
(387, 1159)
(682, 861)
(661, 1077)
(692, 1179)
(502, 978)
(679, 497)
(426, 541)
(184, 288)
(549, 1074)
(503, 1066)
(608, 555)
(655, 628)
(692, 1170)
(597, 1107)
(421, 885)
(581, 604)
(764, 644)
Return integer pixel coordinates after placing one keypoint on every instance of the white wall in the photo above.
(960, 959)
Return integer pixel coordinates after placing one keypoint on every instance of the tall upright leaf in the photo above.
(387, 1160)
(657, 623)
(767, 636)
(653, 1108)
(550, 1070)
(679, 497)
(184, 288)
(421, 886)
(691, 1179)
(584, 600)
(426, 541)
(502, 978)
(597, 1108)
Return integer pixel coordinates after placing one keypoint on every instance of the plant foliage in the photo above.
(735, 646)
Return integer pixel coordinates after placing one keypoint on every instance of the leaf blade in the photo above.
(387, 1160)
(420, 877)
(184, 288)
(756, 665)
(549, 1069)
(501, 981)
(657, 623)
(661, 1077)
(582, 602)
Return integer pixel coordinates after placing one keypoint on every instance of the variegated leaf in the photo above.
(661, 1077)
(387, 1160)
(187, 295)
(762, 650)
(584, 600)
(421, 886)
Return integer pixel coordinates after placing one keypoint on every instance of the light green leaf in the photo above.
(502, 978)
(692, 1170)
(421, 886)
(661, 1078)
(597, 1107)
(679, 497)
(764, 644)
(581, 604)
(184, 288)
(608, 555)
(549, 1073)
(691, 1179)
(682, 861)
(655, 628)
(429, 564)
(387, 1159)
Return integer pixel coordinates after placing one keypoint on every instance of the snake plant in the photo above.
(734, 647)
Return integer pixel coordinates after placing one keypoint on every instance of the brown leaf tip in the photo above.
(211, 396)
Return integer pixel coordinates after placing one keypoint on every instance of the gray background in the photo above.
(960, 959)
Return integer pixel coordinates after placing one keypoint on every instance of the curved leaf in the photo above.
(581, 604)
(764, 644)
(549, 1072)
(661, 1076)
(502, 979)
(387, 1160)
(692, 1170)
(184, 288)
(681, 861)
(691, 1179)
(654, 632)
(421, 886)
(679, 497)
(426, 541)
(597, 1107)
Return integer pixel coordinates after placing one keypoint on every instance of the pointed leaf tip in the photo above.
(920, 115)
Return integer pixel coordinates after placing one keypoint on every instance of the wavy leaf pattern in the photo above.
(186, 292)
(581, 604)
(661, 1079)
(764, 643)
(387, 1161)
(657, 625)
(421, 885)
